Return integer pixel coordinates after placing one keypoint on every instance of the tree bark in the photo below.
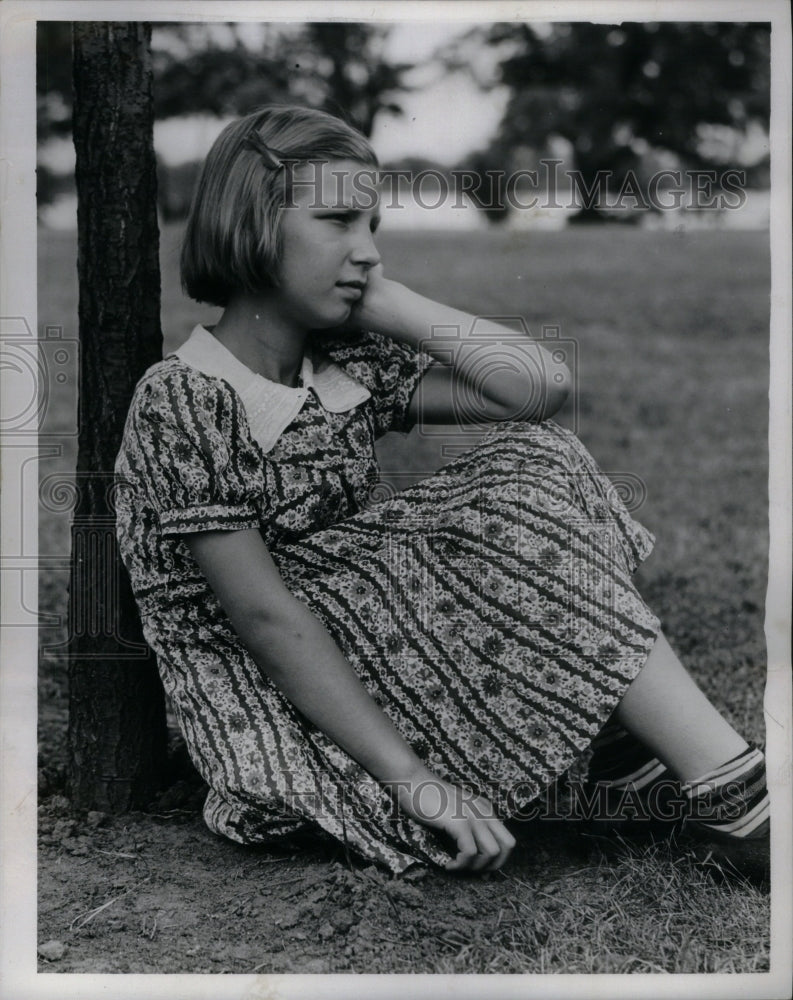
(116, 705)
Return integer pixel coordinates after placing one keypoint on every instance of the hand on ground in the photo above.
(482, 841)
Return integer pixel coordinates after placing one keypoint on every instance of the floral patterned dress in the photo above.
(488, 609)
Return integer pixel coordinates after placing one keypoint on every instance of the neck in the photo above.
(261, 339)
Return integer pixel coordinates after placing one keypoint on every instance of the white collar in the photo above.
(271, 406)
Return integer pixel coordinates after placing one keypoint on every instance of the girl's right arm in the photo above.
(292, 647)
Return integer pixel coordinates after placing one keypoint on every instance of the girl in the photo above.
(405, 675)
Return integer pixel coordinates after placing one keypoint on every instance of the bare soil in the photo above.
(157, 892)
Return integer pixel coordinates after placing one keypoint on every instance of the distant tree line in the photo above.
(620, 93)
(617, 94)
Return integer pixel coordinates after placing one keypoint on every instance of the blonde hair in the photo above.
(232, 241)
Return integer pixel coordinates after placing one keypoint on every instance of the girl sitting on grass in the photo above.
(407, 675)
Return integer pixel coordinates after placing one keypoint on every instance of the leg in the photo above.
(666, 710)
(723, 778)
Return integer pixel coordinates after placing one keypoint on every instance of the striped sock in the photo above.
(732, 800)
(619, 759)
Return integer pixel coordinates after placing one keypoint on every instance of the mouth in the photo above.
(354, 288)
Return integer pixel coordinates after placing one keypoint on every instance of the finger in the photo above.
(482, 808)
(488, 848)
(506, 843)
(466, 850)
(504, 837)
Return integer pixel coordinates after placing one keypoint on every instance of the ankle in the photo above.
(732, 799)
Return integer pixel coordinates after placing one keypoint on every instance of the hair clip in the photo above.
(271, 157)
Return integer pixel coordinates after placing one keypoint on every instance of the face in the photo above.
(327, 230)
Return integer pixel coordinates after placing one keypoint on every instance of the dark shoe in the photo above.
(658, 807)
(747, 858)
(623, 787)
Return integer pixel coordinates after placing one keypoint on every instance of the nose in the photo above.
(365, 251)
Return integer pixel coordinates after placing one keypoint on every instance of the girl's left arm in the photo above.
(516, 379)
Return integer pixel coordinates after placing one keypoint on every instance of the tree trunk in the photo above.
(116, 705)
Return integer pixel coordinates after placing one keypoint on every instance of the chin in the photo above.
(333, 323)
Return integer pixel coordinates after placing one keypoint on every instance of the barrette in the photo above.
(271, 157)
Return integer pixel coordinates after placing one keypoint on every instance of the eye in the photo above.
(342, 218)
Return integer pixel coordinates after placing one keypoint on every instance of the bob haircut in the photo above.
(233, 237)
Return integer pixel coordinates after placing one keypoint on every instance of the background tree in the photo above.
(53, 79)
(340, 66)
(616, 92)
(53, 101)
(230, 69)
(361, 82)
(116, 706)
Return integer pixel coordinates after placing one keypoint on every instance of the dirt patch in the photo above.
(157, 892)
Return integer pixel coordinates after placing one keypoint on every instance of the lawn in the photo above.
(669, 337)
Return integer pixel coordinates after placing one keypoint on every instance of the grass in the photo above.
(670, 337)
(577, 923)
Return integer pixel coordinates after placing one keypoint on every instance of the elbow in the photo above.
(264, 628)
(537, 401)
(556, 392)
(545, 399)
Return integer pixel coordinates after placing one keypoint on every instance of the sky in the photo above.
(450, 117)
(445, 122)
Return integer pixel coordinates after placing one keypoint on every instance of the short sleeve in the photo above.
(390, 370)
(187, 448)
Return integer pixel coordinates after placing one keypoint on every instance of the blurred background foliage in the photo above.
(634, 97)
